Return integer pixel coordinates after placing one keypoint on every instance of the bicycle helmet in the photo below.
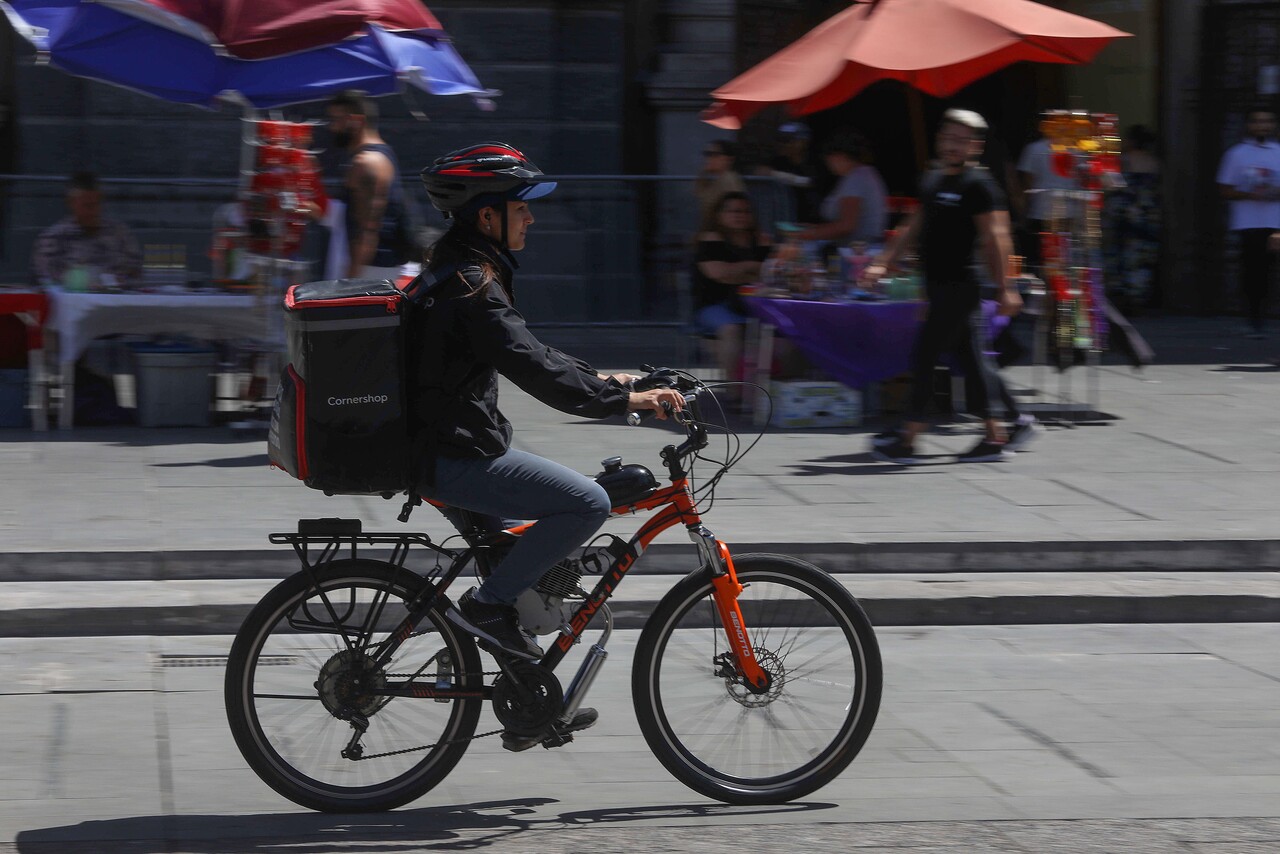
(482, 175)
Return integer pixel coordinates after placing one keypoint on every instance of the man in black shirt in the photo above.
(962, 212)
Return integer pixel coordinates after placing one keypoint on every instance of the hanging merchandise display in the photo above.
(284, 189)
(1085, 147)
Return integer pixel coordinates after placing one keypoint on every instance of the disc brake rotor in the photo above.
(771, 665)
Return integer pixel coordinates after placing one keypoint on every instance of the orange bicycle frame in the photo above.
(675, 504)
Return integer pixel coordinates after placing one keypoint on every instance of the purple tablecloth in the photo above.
(856, 343)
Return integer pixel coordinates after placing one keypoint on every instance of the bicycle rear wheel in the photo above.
(297, 664)
(727, 743)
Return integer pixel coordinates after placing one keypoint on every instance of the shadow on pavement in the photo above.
(455, 828)
(1246, 369)
(135, 437)
(253, 460)
(864, 464)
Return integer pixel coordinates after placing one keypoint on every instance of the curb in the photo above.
(880, 558)
(958, 611)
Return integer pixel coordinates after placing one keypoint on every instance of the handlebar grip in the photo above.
(635, 419)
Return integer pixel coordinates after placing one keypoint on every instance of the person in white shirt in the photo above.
(1249, 178)
(1039, 180)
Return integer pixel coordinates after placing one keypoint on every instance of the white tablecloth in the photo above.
(78, 318)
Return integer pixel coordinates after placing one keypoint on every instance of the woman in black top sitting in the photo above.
(729, 253)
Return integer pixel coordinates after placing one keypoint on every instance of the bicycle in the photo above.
(756, 679)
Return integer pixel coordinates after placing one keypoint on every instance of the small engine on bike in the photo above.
(541, 608)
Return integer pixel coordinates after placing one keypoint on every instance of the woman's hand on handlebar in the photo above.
(658, 400)
(620, 379)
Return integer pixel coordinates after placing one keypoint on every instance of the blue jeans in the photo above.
(569, 507)
(710, 318)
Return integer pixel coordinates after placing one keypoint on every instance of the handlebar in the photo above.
(689, 387)
(635, 419)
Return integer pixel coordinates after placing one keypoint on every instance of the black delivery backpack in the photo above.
(340, 421)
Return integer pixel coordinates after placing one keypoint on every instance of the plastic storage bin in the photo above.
(815, 404)
(13, 398)
(174, 385)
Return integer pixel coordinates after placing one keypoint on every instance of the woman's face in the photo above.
(518, 221)
(735, 215)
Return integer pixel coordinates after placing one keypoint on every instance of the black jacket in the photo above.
(466, 334)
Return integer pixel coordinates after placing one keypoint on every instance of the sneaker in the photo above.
(888, 437)
(494, 624)
(986, 452)
(557, 736)
(1021, 433)
(895, 452)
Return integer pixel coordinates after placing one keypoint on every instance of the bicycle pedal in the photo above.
(556, 740)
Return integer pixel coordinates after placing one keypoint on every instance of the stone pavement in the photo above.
(1178, 477)
(1030, 739)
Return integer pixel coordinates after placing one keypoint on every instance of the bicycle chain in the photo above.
(438, 743)
(428, 746)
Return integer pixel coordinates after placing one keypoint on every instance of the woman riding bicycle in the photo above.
(470, 332)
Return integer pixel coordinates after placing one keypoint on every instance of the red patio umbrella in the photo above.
(937, 46)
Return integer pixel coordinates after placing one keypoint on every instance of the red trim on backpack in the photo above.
(390, 301)
(300, 425)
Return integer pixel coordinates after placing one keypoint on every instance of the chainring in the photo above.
(529, 703)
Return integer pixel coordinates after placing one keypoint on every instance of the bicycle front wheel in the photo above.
(724, 741)
(297, 677)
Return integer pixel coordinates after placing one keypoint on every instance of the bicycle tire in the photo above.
(679, 709)
(270, 729)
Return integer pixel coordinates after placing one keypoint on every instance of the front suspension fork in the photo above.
(725, 590)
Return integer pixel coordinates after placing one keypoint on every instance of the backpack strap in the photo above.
(419, 290)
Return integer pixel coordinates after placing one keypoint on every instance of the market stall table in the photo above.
(31, 307)
(78, 318)
(856, 343)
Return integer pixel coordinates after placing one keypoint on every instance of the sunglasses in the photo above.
(711, 152)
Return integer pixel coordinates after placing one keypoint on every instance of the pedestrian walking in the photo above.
(1249, 178)
(962, 213)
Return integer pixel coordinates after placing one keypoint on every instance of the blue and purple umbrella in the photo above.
(266, 53)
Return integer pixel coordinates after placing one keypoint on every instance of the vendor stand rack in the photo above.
(1068, 302)
(279, 192)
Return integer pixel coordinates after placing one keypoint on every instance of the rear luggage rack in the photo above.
(332, 535)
